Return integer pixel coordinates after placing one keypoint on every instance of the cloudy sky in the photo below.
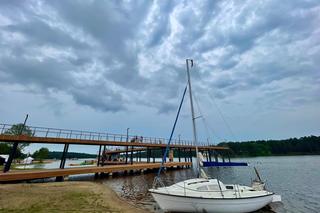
(109, 65)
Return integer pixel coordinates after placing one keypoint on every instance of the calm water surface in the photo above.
(295, 178)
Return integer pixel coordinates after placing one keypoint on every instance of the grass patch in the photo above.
(61, 197)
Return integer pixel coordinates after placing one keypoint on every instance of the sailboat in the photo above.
(204, 194)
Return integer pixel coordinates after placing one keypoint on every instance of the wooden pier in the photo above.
(132, 147)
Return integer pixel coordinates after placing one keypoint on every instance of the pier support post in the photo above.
(63, 162)
(11, 156)
(190, 155)
(99, 155)
(215, 156)
(127, 140)
(103, 155)
(131, 155)
(148, 155)
(179, 154)
(210, 155)
(64, 155)
(96, 175)
(162, 152)
(127, 155)
(14, 148)
(207, 155)
(185, 155)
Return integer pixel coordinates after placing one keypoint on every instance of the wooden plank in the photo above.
(47, 173)
(49, 140)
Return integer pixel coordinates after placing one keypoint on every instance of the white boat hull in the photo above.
(174, 203)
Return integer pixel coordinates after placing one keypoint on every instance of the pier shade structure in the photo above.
(129, 147)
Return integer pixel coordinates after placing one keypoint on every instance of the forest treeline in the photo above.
(57, 155)
(294, 146)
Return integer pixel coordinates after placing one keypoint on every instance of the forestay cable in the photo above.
(168, 144)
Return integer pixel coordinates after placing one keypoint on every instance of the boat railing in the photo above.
(35, 131)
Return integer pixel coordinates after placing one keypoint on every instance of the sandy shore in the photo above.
(62, 197)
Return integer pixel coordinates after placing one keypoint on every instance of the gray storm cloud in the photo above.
(110, 54)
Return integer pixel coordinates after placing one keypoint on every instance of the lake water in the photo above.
(295, 178)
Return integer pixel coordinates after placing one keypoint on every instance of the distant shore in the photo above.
(282, 155)
(62, 197)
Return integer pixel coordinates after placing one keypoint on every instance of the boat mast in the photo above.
(193, 116)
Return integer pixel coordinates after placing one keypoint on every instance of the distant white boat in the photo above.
(28, 160)
(209, 195)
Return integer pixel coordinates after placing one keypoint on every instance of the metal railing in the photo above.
(97, 136)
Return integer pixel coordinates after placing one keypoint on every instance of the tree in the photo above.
(18, 129)
(4, 148)
(41, 154)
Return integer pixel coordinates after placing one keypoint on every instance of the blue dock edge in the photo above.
(212, 164)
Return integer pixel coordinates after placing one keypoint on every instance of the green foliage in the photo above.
(57, 155)
(18, 129)
(42, 153)
(292, 146)
(5, 148)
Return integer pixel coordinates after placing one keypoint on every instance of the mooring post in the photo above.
(14, 148)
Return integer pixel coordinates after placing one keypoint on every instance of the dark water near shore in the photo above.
(295, 178)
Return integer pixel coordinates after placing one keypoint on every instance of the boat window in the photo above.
(213, 187)
(229, 187)
(202, 188)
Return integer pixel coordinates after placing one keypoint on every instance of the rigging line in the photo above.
(219, 111)
(172, 131)
(207, 125)
(202, 115)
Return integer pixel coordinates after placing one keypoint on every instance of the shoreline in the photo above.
(69, 196)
